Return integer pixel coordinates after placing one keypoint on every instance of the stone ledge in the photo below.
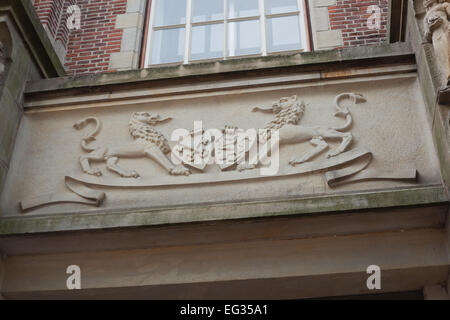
(110, 219)
(313, 60)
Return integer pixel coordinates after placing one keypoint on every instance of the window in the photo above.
(182, 31)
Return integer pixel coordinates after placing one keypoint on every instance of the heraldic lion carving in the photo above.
(148, 142)
(288, 112)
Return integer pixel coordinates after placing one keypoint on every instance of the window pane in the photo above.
(242, 8)
(243, 38)
(168, 46)
(283, 34)
(207, 10)
(281, 6)
(169, 12)
(207, 42)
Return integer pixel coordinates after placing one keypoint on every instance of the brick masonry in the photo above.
(89, 49)
(351, 17)
(111, 32)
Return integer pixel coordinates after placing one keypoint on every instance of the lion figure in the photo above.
(288, 112)
(148, 142)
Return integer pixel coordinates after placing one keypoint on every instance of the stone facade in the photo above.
(2, 273)
(92, 178)
(18, 67)
(132, 25)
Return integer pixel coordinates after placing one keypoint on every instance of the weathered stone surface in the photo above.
(440, 130)
(164, 230)
(321, 20)
(132, 25)
(3, 173)
(20, 69)
(436, 25)
(130, 40)
(405, 139)
(135, 6)
(323, 37)
(324, 3)
(9, 121)
(436, 292)
(122, 60)
(286, 268)
(429, 75)
(321, 60)
(129, 20)
(431, 83)
(2, 275)
(221, 212)
(31, 29)
(329, 39)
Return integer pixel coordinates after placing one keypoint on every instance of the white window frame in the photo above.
(263, 17)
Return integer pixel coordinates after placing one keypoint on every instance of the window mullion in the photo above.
(244, 18)
(205, 23)
(148, 49)
(225, 29)
(284, 14)
(172, 26)
(302, 20)
(187, 39)
(262, 13)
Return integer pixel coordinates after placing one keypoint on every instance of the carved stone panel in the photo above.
(226, 146)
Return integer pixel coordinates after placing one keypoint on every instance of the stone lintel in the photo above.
(320, 60)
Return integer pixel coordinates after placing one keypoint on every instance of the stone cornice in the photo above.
(295, 62)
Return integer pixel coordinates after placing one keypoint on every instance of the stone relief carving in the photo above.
(148, 142)
(340, 165)
(5, 49)
(437, 32)
(5, 60)
(289, 111)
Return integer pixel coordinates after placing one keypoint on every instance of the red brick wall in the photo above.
(88, 49)
(63, 33)
(49, 11)
(350, 16)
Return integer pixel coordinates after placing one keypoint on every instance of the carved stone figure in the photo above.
(148, 142)
(437, 32)
(288, 112)
(4, 59)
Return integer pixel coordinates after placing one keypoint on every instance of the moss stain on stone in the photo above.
(228, 211)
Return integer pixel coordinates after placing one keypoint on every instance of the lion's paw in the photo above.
(333, 154)
(245, 166)
(131, 174)
(180, 170)
(294, 161)
(94, 172)
(135, 174)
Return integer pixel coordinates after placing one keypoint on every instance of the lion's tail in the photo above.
(343, 112)
(91, 136)
(348, 122)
